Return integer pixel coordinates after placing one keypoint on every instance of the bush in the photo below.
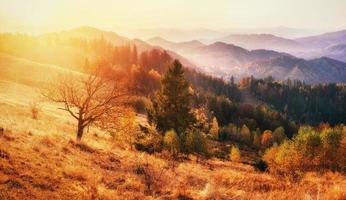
(235, 154)
(245, 134)
(229, 132)
(256, 140)
(151, 141)
(126, 131)
(171, 142)
(279, 135)
(331, 142)
(140, 104)
(196, 142)
(310, 149)
(261, 165)
(214, 129)
(267, 139)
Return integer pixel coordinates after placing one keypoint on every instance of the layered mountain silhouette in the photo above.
(324, 40)
(320, 70)
(64, 55)
(225, 60)
(262, 41)
(315, 59)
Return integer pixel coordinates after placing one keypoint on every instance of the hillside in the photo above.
(24, 71)
(40, 159)
(72, 48)
(90, 33)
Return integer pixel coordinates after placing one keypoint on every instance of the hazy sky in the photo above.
(47, 15)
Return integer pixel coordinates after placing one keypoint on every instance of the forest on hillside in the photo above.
(297, 128)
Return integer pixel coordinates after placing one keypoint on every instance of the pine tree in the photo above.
(171, 106)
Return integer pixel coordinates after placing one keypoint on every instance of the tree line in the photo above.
(305, 104)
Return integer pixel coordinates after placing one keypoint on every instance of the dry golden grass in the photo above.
(39, 160)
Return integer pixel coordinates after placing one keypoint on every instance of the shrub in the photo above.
(279, 135)
(151, 141)
(267, 139)
(261, 165)
(140, 104)
(196, 142)
(309, 150)
(126, 130)
(171, 142)
(331, 142)
(235, 154)
(256, 140)
(229, 132)
(245, 134)
(214, 130)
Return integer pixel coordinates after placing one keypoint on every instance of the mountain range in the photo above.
(314, 59)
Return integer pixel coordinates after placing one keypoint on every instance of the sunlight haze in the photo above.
(37, 16)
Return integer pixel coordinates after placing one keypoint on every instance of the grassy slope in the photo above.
(28, 72)
(38, 159)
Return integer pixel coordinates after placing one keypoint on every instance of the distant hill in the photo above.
(222, 56)
(217, 58)
(115, 39)
(321, 70)
(225, 60)
(68, 48)
(337, 52)
(262, 41)
(89, 33)
(180, 47)
(324, 40)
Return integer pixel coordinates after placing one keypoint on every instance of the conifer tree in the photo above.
(171, 106)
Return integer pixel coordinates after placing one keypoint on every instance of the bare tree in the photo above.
(87, 98)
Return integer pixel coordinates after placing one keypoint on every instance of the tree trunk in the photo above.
(80, 130)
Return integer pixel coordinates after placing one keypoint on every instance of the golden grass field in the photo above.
(40, 160)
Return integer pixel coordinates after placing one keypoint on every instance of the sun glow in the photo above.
(41, 15)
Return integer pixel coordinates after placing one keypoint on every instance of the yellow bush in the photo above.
(309, 150)
(171, 142)
(235, 154)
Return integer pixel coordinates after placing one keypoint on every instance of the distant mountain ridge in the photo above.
(262, 41)
(90, 33)
(175, 46)
(324, 40)
(216, 58)
(320, 70)
(222, 59)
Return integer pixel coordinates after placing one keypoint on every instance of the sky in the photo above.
(36, 16)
